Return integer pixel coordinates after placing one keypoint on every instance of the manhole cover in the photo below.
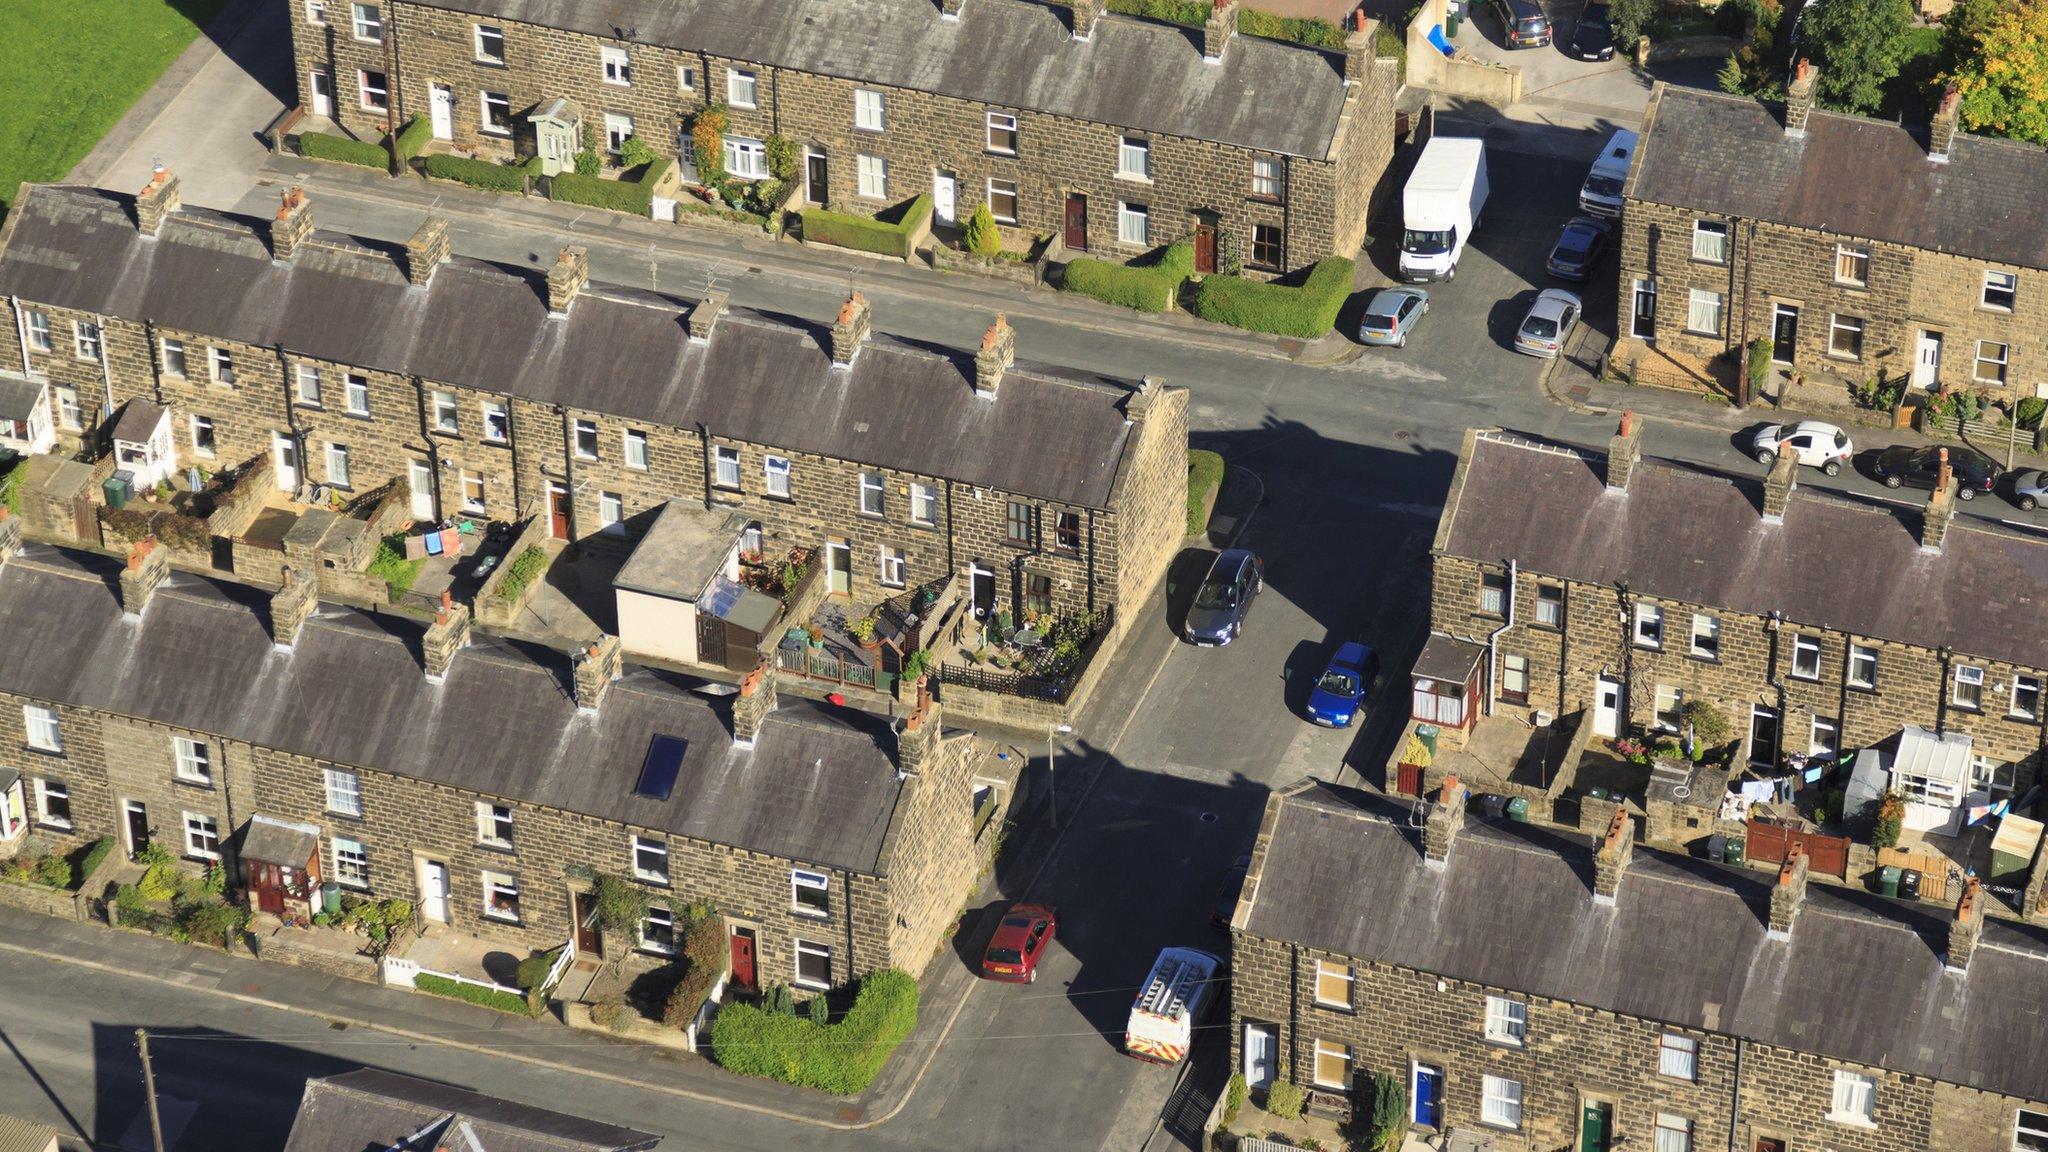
(1208, 817)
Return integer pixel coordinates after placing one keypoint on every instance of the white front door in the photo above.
(422, 491)
(323, 92)
(1607, 707)
(434, 890)
(443, 109)
(285, 450)
(944, 192)
(1260, 1042)
(1927, 365)
(839, 569)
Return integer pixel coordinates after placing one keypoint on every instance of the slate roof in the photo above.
(374, 1109)
(1849, 175)
(19, 396)
(819, 786)
(138, 421)
(1052, 433)
(1006, 53)
(1687, 534)
(1861, 978)
(274, 841)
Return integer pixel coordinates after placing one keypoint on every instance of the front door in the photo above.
(1427, 1096)
(839, 569)
(1261, 1041)
(583, 907)
(422, 491)
(434, 890)
(1763, 735)
(1076, 238)
(1205, 248)
(983, 589)
(743, 974)
(1607, 707)
(945, 197)
(558, 510)
(323, 92)
(267, 886)
(1784, 333)
(285, 452)
(1596, 1119)
(816, 183)
(138, 827)
(442, 108)
(1927, 364)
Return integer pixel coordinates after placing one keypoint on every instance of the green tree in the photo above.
(2001, 67)
(1630, 18)
(1859, 46)
(980, 236)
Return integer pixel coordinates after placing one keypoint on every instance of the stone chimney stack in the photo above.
(1624, 451)
(751, 707)
(447, 635)
(1086, 13)
(1358, 50)
(918, 740)
(425, 250)
(998, 352)
(1968, 927)
(1941, 131)
(1941, 504)
(10, 536)
(1778, 485)
(1788, 894)
(148, 564)
(570, 273)
(1138, 405)
(294, 223)
(290, 605)
(850, 331)
(1445, 818)
(157, 200)
(1610, 858)
(1217, 31)
(706, 313)
(949, 9)
(1799, 97)
(597, 665)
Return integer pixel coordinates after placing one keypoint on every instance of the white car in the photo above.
(1549, 323)
(1813, 443)
(2030, 490)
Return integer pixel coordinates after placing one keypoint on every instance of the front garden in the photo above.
(191, 908)
(1373, 1117)
(840, 1053)
(1302, 304)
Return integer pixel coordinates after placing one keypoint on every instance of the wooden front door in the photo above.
(1076, 237)
(558, 511)
(1205, 248)
(138, 827)
(1595, 1120)
(267, 886)
(589, 940)
(744, 977)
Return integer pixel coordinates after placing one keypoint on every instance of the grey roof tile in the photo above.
(371, 1108)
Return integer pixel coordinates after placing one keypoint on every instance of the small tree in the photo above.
(707, 143)
(1859, 46)
(1891, 820)
(1630, 18)
(1285, 1100)
(1387, 1123)
(1759, 365)
(634, 152)
(981, 235)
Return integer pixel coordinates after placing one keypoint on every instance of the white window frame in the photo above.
(618, 129)
(193, 760)
(494, 824)
(803, 880)
(616, 63)
(202, 836)
(872, 490)
(1500, 1102)
(1669, 718)
(1856, 259)
(1805, 657)
(1134, 158)
(1550, 609)
(775, 475)
(355, 389)
(68, 416)
(871, 177)
(338, 473)
(478, 35)
(725, 467)
(1710, 241)
(1824, 736)
(46, 790)
(583, 439)
(2023, 684)
(38, 330)
(2002, 363)
(1328, 1050)
(497, 422)
(995, 122)
(745, 158)
(220, 366)
(308, 384)
(210, 447)
(892, 563)
(1493, 593)
(1649, 627)
(1703, 312)
(1514, 677)
(869, 110)
(2006, 284)
(643, 846)
(1266, 177)
(1507, 1021)
(738, 81)
(1133, 224)
(447, 412)
(1671, 1134)
(657, 914)
(316, 13)
(1342, 973)
(173, 355)
(493, 883)
(1971, 675)
(611, 513)
(1678, 1056)
(2036, 1128)
(364, 88)
(1010, 193)
(806, 948)
(351, 862)
(924, 496)
(1854, 1100)
(366, 23)
(485, 101)
(344, 792)
(1638, 289)
(43, 728)
(1706, 626)
(86, 340)
(1842, 327)
(633, 448)
(1861, 655)
(473, 482)
(686, 78)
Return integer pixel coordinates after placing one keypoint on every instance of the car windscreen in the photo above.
(1574, 242)
(1532, 25)
(1541, 327)
(1598, 185)
(1841, 439)
(1426, 243)
(1594, 21)
(1216, 594)
(1005, 956)
(1339, 683)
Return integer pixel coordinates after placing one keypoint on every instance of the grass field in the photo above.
(70, 68)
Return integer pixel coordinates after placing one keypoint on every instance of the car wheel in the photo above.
(2027, 504)
(1453, 273)
(1966, 494)
(1401, 341)
(1891, 481)
(1832, 468)
(1766, 456)
(1034, 976)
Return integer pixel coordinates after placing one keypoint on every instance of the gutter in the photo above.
(1492, 645)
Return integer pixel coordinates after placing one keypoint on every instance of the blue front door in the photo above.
(1428, 1096)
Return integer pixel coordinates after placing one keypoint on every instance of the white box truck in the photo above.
(1181, 987)
(1440, 206)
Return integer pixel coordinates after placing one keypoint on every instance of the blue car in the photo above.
(1341, 690)
(1579, 248)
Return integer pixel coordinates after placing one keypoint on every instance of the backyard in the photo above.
(70, 68)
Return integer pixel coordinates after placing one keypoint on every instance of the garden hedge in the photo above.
(94, 855)
(1306, 310)
(841, 1058)
(411, 138)
(486, 174)
(1151, 286)
(483, 997)
(1205, 472)
(866, 234)
(327, 146)
(635, 196)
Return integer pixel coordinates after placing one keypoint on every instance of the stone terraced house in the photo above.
(1115, 134)
(1537, 994)
(489, 781)
(496, 394)
(1856, 246)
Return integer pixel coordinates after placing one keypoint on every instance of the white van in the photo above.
(1601, 193)
(1440, 206)
(1182, 985)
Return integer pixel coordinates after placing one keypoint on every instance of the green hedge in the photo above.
(484, 997)
(868, 234)
(1307, 310)
(1310, 30)
(841, 1058)
(327, 146)
(1205, 472)
(412, 138)
(635, 196)
(1149, 285)
(486, 174)
(16, 471)
(525, 567)
(94, 855)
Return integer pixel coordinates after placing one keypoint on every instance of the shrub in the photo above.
(818, 1009)
(521, 572)
(533, 971)
(391, 566)
(214, 923)
(633, 153)
(1233, 1096)
(94, 856)
(411, 138)
(1710, 726)
(635, 195)
(1205, 472)
(10, 485)
(981, 236)
(1284, 1099)
(620, 905)
(159, 882)
(54, 871)
(1149, 284)
(612, 1012)
(841, 1058)
(707, 143)
(378, 920)
(588, 163)
(1310, 30)
(782, 157)
(1387, 1122)
(1891, 820)
(703, 960)
(341, 149)
(1759, 365)
(472, 993)
(1306, 310)
(132, 910)
(1191, 13)
(863, 234)
(488, 175)
(777, 1001)
(2028, 412)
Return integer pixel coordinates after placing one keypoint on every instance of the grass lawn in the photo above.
(70, 68)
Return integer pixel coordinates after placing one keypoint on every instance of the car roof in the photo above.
(1551, 303)
(1820, 426)
(1230, 559)
(1351, 653)
(1386, 300)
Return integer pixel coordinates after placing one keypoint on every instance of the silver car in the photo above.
(1391, 315)
(2030, 490)
(1549, 323)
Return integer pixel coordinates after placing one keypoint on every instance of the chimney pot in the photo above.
(1610, 859)
(290, 605)
(1788, 894)
(425, 250)
(918, 740)
(568, 277)
(157, 200)
(597, 664)
(1968, 927)
(448, 634)
(1941, 504)
(850, 330)
(148, 565)
(293, 225)
(1217, 31)
(1941, 132)
(1624, 451)
(1799, 97)
(1359, 52)
(751, 707)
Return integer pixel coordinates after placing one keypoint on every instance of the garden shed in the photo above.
(281, 868)
(1934, 773)
(679, 597)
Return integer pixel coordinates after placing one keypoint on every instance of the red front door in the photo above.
(588, 939)
(743, 976)
(558, 511)
(1205, 249)
(268, 886)
(1076, 236)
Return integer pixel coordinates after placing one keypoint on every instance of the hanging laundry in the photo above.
(1757, 791)
(415, 547)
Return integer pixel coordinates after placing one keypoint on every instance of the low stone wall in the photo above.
(284, 947)
(352, 587)
(240, 498)
(948, 259)
(706, 219)
(494, 611)
(1685, 48)
(257, 565)
(1456, 76)
(638, 1029)
(59, 903)
(184, 538)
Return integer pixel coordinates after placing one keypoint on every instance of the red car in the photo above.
(1020, 940)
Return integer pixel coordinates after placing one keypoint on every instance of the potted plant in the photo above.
(816, 636)
(863, 632)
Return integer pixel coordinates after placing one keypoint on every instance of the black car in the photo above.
(1593, 38)
(1904, 464)
(1522, 23)
(1579, 248)
(1224, 597)
(1226, 901)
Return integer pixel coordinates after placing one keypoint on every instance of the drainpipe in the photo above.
(21, 336)
(1091, 561)
(106, 362)
(704, 462)
(1493, 646)
(434, 461)
(1735, 1097)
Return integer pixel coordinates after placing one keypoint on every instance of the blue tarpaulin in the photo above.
(1436, 37)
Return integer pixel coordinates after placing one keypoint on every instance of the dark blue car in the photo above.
(1342, 688)
(1579, 248)
(1224, 597)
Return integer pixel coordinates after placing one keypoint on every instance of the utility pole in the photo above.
(156, 1124)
